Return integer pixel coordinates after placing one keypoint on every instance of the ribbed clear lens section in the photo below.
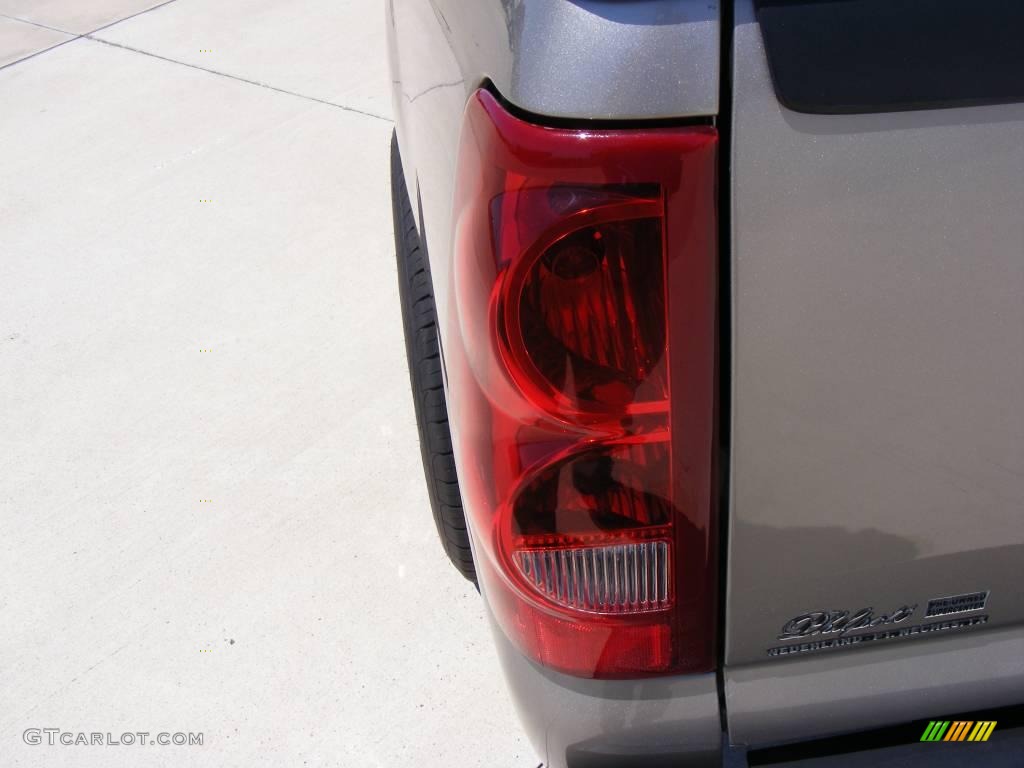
(623, 578)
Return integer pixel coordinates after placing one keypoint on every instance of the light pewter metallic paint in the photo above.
(877, 404)
(575, 722)
(612, 60)
(830, 693)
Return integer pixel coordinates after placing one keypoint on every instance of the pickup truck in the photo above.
(714, 314)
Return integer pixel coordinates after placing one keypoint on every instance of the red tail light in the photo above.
(581, 371)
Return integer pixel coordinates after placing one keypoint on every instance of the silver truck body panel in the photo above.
(611, 60)
(576, 723)
(828, 694)
(877, 403)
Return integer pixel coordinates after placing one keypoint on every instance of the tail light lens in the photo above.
(583, 314)
(581, 364)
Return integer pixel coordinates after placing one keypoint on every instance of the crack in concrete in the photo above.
(74, 35)
(90, 36)
(240, 79)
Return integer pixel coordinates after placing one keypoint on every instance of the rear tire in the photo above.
(424, 356)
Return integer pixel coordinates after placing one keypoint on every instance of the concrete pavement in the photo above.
(212, 517)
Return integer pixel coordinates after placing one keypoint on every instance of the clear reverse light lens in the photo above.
(621, 578)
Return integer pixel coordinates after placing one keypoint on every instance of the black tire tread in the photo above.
(419, 321)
